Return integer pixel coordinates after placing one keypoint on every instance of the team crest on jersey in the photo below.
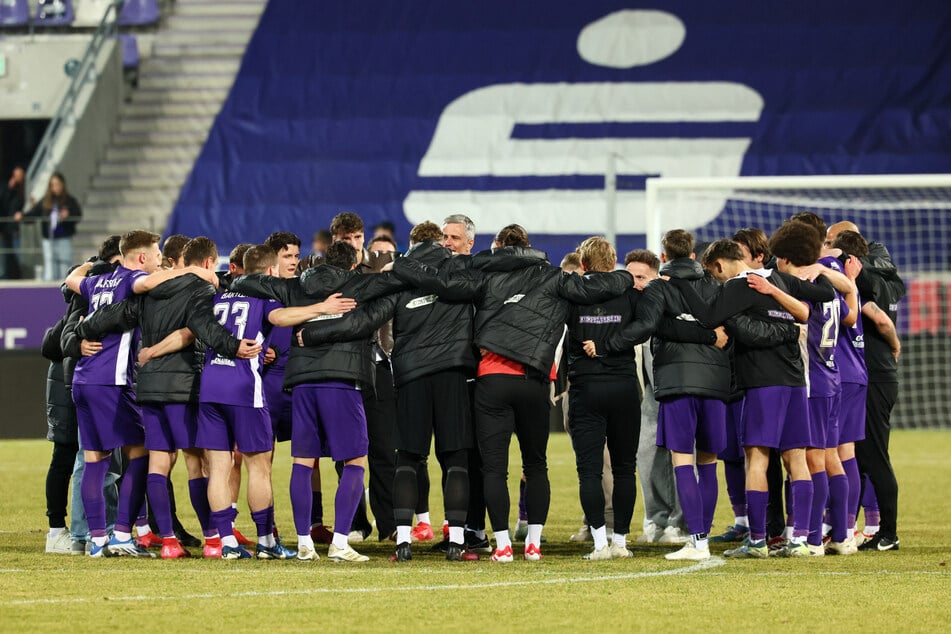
(514, 299)
(419, 302)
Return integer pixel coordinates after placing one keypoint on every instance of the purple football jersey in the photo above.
(822, 335)
(114, 363)
(850, 345)
(238, 381)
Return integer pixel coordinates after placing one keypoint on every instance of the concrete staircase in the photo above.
(182, 84)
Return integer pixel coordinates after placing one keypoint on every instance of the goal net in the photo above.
(911, 215)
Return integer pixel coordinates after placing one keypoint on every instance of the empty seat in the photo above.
(139, 13)
(14, 13)
(54, 13)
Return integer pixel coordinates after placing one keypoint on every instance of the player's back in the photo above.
(113, 364)
(238, 381)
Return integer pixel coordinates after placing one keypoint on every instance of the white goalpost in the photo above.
(909, 214)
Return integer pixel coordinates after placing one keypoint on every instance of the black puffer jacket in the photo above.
(182, 302)
(431, 335)
(521, 300)
(60, 411)
(345, 361)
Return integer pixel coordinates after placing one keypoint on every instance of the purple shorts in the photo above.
(222, 427)
(685, 422)
(733, 451)
(824, 421)
(279, 409)
(852, 413)
(328, 420)
(108, 416)
(170, 427)
(776, 417)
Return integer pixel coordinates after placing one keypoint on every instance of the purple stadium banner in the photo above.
(26, 312)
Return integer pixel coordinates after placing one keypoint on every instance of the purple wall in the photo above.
(26, 312)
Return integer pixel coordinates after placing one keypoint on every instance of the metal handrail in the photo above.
(85, 73)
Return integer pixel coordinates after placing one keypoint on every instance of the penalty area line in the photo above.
(698, 567)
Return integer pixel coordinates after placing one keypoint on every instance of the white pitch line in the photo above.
(713, 562)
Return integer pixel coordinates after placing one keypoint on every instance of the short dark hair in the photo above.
(341, 254)
(813, 220)
(722, 249)
(134, 240)
(796, 241)
(344, 223)
(237, 254)
(677, 243)
(257, 258)
(644, 257)
(281, 240)
(174, 247)
(323, 235)
(199, 249)
(386, 239)
(851, 243)
(424, 232)
(754, 239)
(512, 236)
(109, 248)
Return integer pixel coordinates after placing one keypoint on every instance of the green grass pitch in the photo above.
(908, 590)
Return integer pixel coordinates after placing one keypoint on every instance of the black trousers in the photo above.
(57, 482)
(872, 453)
(598, 411)
(505, 404)
(381, 431)
(775, 509)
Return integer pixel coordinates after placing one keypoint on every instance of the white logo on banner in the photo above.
(474, 136)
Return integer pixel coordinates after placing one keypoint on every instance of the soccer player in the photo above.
(774, 379)
(881, 289)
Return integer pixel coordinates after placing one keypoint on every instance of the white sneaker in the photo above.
(689, 552)
(846, 547)
(307, 553)
(355, 537)
(619, 552)
(816, 551)
(650, 534)
(672, 535)
(345, 554)
(583, 535)
(598, 554)
(61, 544)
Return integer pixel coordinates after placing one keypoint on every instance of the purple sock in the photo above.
(349, 492)
(94, 502)
(838, 499)
(222, 521)
(851, 467)
(157, 486)
(142, 519)
(756, 508)
(522, 511)
(870, 503)
(735, 473)
(820, 493)
(131, 493)
(316, 508)
(802, 506)
(261, 521)
(707, 480)
(198, 492)
(690, 500)
(301, 498)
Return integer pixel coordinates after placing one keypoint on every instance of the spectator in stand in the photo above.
(59, 212)
(11, 202)
(321, 240)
